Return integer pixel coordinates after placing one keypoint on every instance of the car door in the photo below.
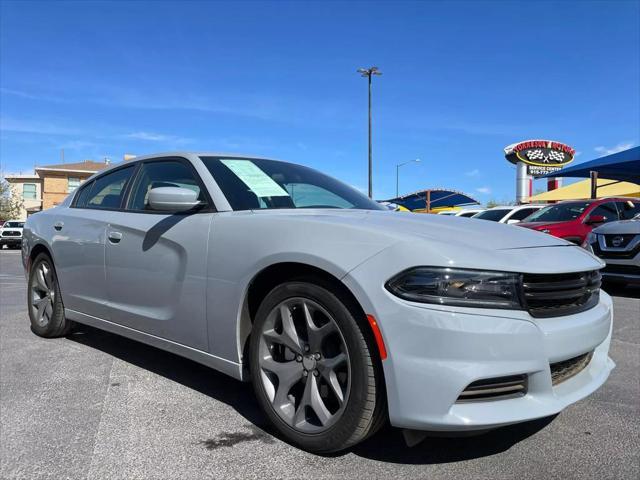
(156, 261)
(78, 241)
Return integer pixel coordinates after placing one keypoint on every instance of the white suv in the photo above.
(508, 214)
(11, 234)
(618, 244)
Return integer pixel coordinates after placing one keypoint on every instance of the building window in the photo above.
(29, 191)
(74, 182)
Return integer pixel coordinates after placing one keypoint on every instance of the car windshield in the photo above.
(561, 212)
(257, 184)
(13, 225)
(493, 215)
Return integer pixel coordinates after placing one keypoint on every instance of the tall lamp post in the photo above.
(417, 160)
(369, 72)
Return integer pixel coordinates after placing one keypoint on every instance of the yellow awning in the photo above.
(582, 190)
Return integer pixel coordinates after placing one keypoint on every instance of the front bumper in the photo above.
(435, 352)
(11, 241)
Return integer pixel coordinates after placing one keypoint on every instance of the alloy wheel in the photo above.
(304, 365)
(42, 293)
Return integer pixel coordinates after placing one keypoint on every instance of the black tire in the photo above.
(55, 324)
(365, 409)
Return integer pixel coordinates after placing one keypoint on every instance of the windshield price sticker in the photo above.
(259, 182)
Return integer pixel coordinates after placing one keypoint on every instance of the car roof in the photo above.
(183, 154)
(514, 207)
(202, 154)
(599, 200)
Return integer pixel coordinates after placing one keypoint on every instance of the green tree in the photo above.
(10, 205)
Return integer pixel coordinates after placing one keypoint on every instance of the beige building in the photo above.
(50, 184)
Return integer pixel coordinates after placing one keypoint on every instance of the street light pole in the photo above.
(417, 160)
(369, 72)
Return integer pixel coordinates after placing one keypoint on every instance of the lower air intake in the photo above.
(561, 371)
(498, 388)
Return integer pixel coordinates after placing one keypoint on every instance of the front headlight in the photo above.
(459, 287)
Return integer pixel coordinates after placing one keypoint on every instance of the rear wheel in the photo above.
(312, 369)
(46, 311)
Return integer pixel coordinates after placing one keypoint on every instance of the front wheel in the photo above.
(312, 370)
(46, 311)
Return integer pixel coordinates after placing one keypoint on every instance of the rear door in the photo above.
(78, 241)
(156, 262)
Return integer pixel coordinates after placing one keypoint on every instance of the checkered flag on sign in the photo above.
(535, 154)
(556, 156)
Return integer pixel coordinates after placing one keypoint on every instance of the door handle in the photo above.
(115, 237)
(58, 225)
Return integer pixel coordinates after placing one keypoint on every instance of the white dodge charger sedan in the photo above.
(343, 314)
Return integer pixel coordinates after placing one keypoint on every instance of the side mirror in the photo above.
(593, 219)
(512, 221)
(172, 199)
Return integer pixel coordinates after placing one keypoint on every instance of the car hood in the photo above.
(623, 227)
(403, 226)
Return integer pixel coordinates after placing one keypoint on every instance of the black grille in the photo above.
(621, 269)
(497, 388)
(561, 371)
(11, 233)
(609, 254)
(548, 295)
(618, 241)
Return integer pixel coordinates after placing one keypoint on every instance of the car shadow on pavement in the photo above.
(238, 395)
(387, 445)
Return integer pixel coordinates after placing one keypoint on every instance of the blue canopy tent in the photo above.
(427, 200)
(621, 167)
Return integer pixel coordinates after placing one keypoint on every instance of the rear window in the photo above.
(492, 215)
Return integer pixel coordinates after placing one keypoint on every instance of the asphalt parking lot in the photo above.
(94, 405)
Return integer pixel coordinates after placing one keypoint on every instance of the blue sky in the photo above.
(461, 80)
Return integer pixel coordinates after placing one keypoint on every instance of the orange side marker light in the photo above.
(377, 334)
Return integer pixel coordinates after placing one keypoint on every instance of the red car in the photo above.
(574, 219)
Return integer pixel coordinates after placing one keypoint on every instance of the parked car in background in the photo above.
(618, 244)
(342, 313)
(574, 219)
(11, 234)
(469, 212)
(508, 214)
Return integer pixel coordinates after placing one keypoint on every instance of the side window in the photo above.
(628, 209)
(107, 191)
(522, 214)
(607, 210)
(164, 173)
(83, 195)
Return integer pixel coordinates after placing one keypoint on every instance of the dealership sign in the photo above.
(540, 156)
